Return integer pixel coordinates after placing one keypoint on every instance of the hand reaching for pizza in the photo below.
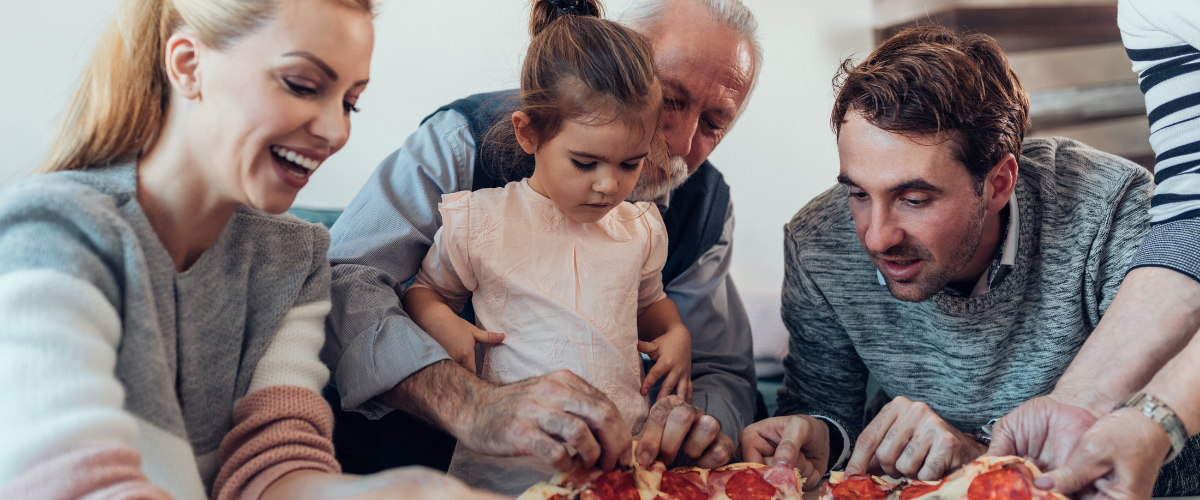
(675, 429)
(672, 356)
(907, 439)
(797, 441)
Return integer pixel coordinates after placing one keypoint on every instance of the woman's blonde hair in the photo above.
(119, 102)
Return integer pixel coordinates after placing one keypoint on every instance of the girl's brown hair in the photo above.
(119, 102)
(585, 68)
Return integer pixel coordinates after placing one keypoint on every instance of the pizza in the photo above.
(740, 481)
(988, 478)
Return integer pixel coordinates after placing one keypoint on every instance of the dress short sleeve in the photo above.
(447, 267)
(650, 290)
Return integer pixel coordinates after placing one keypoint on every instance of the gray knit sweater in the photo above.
(105, 347)
(1083, 214)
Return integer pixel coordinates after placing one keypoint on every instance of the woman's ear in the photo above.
(183, 64)
(525, 135)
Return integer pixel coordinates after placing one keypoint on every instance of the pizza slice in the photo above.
(988, 478)
(740, 481)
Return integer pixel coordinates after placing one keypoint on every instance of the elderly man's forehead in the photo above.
(697, 62)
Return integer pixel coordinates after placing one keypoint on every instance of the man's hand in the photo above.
(1118, 458)
(800, 441)
(539, 416)
(1044, 429)
(675, 426)
(907, 439)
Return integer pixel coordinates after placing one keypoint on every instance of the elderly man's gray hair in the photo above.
(642, 15)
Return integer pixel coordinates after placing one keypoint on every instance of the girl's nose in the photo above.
(604, 183)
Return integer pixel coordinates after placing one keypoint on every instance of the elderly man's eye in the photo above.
(672, 104)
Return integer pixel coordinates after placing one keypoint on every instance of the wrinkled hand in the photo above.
(675, 426)
(407, 483)
(800, 441)
(1044, 429)
(1117, 458)
(541, 416)
(672, 356)
(907, 439)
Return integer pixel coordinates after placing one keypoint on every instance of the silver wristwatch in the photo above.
(1158, 411)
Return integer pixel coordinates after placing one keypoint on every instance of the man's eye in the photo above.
(583, 166)
(712, 126)
(672, 104)
(858, 196)
(914, 202)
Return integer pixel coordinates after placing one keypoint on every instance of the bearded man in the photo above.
(959, 263)
(708, 56)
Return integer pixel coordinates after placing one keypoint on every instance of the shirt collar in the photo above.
(1002, 263)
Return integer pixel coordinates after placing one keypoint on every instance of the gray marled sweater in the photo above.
(1083, 214)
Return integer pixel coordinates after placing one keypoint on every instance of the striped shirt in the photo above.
(1161, 38)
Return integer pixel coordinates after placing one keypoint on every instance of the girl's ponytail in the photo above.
(118, 103)
(117, 108)
(545, 12)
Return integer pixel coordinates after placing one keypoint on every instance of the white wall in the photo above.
(428, 53)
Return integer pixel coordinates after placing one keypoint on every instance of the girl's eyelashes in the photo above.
(631, 166)
(583, 166)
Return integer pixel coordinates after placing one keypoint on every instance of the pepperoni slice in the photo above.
(615, 485)
(677, 487)
(1004, 484)
(746, 485)
(858, 487)
(917, 489)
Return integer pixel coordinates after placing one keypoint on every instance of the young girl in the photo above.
(558, 265)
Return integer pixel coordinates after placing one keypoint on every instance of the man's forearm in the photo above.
(443, 394)
(1154, 315)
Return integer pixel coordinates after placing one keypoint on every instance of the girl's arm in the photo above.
(430, 311)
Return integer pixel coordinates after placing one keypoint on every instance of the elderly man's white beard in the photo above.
(655, 183)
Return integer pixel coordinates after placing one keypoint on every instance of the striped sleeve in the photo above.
(1162, 38)
(283, 424)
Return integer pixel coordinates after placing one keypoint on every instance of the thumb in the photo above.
(1003, 441)
(1075, 475)
(486, 337)
(647, 347)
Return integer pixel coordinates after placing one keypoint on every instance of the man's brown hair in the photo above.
(927, 80)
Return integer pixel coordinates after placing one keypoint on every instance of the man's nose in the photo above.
(883, 231)
(678, 129)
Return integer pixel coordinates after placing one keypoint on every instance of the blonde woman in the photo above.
(161, 325)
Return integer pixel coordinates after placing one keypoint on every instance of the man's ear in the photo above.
(1002, 180)
(525, 136)
(182, 57)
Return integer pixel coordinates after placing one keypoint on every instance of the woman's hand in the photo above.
(406, 483)
(672, 356)
(907, 439)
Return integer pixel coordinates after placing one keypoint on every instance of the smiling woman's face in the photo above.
(273, 105)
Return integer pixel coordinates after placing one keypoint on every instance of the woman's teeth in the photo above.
(296, 158)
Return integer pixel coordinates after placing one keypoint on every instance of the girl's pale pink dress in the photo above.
(565, 294)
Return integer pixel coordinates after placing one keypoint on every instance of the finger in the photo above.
(752, 446)
(656, 372)
(679, 423)
(570, 392)
(1004, 440)
(647, 348)
(545, 448)
(938, 459)
(486, 337)
(670, 383)
(898, 436)
(812, 477)
(651, 438)
(869, 440)
(913, 456)
(719, 453)
(468, 361)
(573, 431)
(702, 434)
(685, 389)
(795, 433)
(1080, 471)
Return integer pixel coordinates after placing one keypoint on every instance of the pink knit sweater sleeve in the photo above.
(91, 473)
(277, 430)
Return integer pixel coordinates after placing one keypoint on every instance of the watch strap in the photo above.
(1158, 411)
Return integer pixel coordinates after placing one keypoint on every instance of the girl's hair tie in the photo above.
(574, 7)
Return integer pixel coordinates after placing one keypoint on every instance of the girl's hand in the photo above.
(460, 343)
(672, 356)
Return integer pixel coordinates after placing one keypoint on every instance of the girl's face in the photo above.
(271, 107)
(587, 170)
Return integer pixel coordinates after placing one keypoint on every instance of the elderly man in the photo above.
(986, 262)
(708, 57)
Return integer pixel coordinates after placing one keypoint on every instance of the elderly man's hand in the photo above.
(1117, 458)
(907, 439)
(540, 416)
(800, 441)
(1044, 429)
(674, 427)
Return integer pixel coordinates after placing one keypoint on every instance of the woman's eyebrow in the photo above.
(316, 62)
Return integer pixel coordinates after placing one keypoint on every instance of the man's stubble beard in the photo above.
(654, 183)
(930, 285)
